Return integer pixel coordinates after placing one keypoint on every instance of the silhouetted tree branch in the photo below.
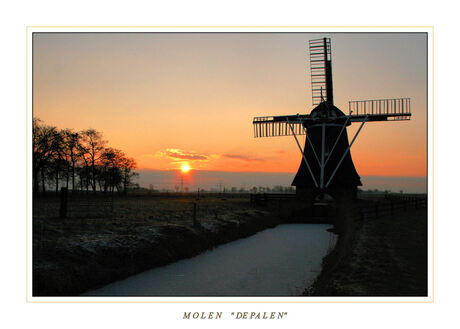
(63, 155)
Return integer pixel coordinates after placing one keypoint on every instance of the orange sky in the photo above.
(170, 98)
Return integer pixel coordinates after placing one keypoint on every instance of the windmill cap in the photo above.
(326, 112)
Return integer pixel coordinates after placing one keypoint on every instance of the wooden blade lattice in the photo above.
(320, 58)
(277, 126)
(395, 109)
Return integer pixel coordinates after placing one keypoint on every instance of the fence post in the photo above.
(63, 205)
(194, 215)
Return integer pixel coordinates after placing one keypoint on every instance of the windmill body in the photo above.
(346, 179)
(327, 171)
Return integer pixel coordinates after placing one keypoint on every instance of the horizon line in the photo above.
(269, 172)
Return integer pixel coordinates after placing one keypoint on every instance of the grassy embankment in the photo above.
(383, 256)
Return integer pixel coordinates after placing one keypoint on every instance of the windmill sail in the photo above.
(275, 126)
(321, 70)
(395, 109)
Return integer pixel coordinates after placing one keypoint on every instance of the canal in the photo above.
(280, 261)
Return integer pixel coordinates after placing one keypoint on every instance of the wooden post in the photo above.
(63, 205)
(195, 223)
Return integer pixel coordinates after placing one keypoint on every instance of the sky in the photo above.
(167, 99)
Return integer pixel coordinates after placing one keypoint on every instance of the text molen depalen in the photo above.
(235, 315)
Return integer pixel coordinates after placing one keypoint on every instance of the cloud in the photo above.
(180, 155)
(242, 157)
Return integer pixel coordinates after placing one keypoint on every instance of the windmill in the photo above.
(326, 170)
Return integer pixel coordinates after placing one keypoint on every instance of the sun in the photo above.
(185, 168)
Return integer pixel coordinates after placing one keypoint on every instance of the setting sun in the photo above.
(185, 168)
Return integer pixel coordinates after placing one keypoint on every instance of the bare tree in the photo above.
(72, 149)
(63, 155)
(92, 147)
(44, 144)
(118, 169)
(128, 165)
(59, 161)
(111, 172)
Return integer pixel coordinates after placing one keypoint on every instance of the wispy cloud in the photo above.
(176, 155)
(242, 157)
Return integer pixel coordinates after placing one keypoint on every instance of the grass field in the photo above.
(177, 209)
(384, 256)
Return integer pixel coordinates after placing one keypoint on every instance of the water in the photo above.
(281, 261)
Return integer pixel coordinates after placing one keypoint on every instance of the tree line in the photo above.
(78, 161)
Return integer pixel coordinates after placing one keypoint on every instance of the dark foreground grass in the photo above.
(378, 257)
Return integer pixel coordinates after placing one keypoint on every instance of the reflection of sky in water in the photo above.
(281, 261)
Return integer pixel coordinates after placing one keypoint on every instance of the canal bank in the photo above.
(377, 256)
(68, 264)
